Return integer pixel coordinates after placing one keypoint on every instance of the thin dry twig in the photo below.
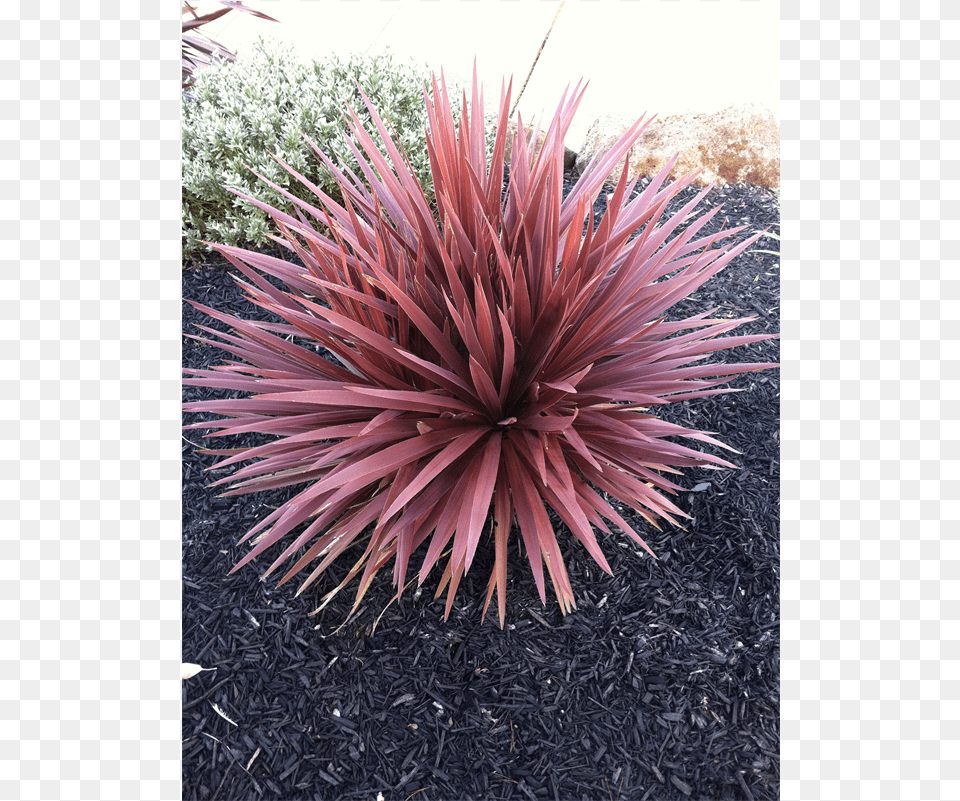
(526, 80)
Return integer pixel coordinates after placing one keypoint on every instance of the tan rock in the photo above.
(734, 145)
(568, 155)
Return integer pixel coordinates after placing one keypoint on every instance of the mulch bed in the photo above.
(663, 684)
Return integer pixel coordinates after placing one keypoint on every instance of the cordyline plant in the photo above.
(197, 49)
(489, 366)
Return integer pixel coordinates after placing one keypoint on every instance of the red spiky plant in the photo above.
(493, 358)
(196, 48)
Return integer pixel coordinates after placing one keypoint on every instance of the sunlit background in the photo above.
(639, 57)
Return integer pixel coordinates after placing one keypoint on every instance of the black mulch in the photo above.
(663, 684)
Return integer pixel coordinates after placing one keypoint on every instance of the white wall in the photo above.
(640, 56)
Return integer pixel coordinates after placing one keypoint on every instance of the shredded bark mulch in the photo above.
(663, 684)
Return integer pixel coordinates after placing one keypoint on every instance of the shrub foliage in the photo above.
(242, 112)
(480, 370)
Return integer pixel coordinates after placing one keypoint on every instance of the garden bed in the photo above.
(662, 684)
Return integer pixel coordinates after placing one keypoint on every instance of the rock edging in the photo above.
(737, 144)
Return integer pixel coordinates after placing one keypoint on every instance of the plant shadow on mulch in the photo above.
(662, 684)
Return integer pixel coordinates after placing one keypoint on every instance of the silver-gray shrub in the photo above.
(238, 113)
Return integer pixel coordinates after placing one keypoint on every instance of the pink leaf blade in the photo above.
(474, 514)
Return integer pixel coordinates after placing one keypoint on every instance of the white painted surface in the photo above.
(639, 56)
